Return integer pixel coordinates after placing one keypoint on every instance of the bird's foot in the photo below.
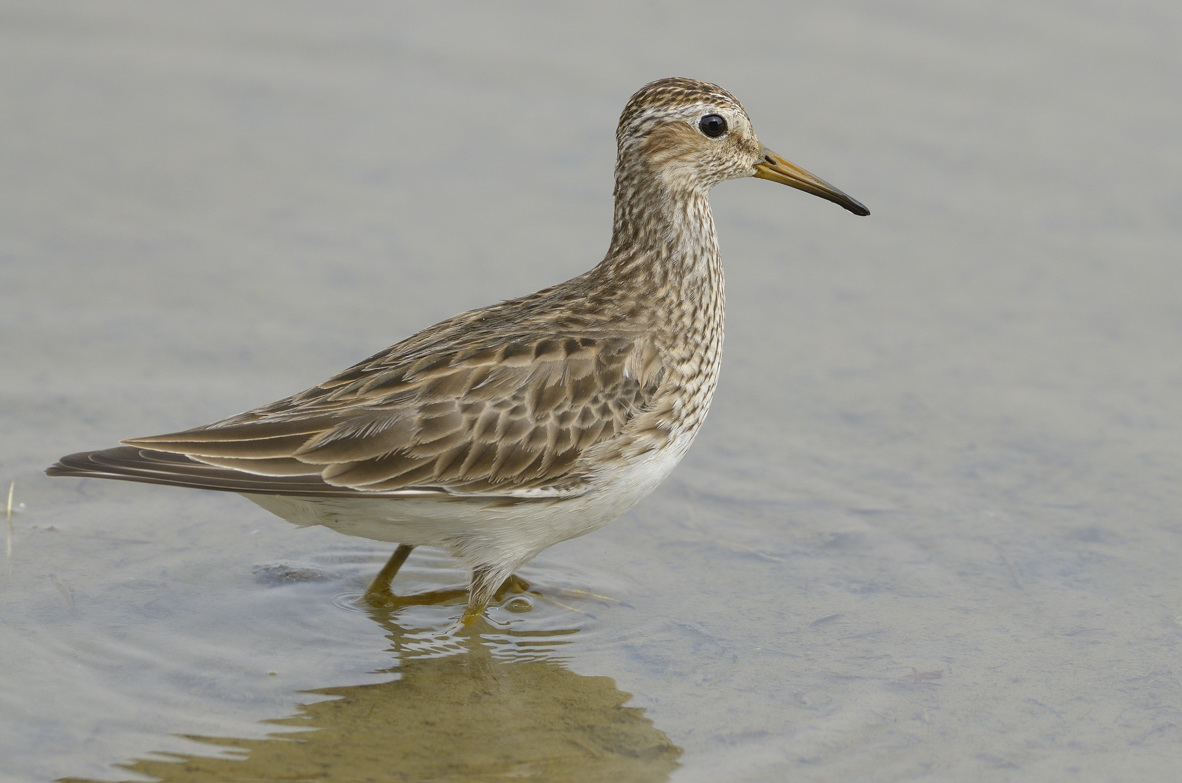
(380, 596)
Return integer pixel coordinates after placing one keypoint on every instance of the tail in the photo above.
(131, 463)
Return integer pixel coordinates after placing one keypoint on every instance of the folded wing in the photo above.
(517, 418)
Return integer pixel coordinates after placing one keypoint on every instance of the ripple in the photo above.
(272, 574)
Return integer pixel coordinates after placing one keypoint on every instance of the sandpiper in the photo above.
(504, 430)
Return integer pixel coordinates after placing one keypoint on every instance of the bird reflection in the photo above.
(470, 705)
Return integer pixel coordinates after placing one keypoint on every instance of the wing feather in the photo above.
(504, 416)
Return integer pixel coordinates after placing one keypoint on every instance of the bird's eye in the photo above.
(712, 125)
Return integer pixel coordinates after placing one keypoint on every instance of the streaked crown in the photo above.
(691, 134)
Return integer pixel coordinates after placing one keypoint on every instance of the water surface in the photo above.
(930, 531)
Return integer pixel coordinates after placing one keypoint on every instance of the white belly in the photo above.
(482, 530)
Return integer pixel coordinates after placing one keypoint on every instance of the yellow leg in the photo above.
(514, 583)
(379, 592)
(472, 614)
(483, 588)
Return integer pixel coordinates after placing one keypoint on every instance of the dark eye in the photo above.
(712, 125)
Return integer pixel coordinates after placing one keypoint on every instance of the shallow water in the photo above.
(931, 530)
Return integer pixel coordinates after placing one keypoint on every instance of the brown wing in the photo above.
(513, 418)
(128, 463)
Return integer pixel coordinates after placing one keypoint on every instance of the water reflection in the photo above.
(476, 704)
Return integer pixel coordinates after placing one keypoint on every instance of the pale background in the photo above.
(931, 530)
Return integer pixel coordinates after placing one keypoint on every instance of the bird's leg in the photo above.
(514, 583)
(486, 581)
(485, 584)
(379, 592)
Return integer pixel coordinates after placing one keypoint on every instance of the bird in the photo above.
(504, 430)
